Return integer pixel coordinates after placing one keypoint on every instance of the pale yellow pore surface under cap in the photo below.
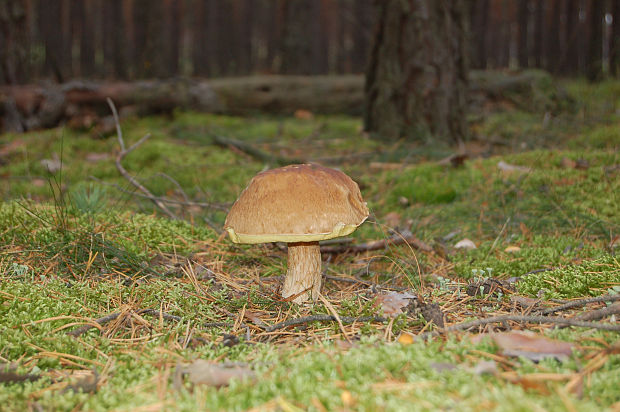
(297, 203)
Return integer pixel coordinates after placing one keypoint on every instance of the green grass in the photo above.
(75, 248)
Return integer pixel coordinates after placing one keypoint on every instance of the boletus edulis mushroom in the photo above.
(300, 205)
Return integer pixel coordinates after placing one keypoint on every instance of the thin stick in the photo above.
(330, 308)
(378, 244)
(582, 302)
(83, 329)
(600, 313)
(219, 206)
(532, 319)
(124, 152)
(322, 318)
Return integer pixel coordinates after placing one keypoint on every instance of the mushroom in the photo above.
(300, 205)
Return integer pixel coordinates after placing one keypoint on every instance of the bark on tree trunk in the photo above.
(417, 77)
(614, 46)
(595, 47)
(522, 49)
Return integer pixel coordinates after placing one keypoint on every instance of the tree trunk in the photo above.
(522, 20)
(553, 37)
(417, 77)
(594, 64)
(614, 44)
(539, 15)
(478, 29)
(14, 40)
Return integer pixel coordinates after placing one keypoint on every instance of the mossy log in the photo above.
(82, 104)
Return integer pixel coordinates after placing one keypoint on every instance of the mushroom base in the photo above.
(303, 276)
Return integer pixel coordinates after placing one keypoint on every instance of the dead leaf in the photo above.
(508, 168)
(465, 244)
(531, 345)
(254, 317)
(392, 219)
(568, 163)
(304, 114)
(202, 372)
(524, 301)
(485, 367)
(512, 249)
(393, 303)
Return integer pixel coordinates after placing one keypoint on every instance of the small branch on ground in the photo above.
(218, 206)
(378, 244)
(124, 152)
(582, 302)
(322, 318)
(532, 319)
(101, 321)
(254, 152)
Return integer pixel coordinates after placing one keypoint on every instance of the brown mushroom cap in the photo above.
(297, 203)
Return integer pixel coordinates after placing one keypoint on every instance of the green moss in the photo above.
(589, 278)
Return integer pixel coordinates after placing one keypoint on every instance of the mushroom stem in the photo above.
(304, 271)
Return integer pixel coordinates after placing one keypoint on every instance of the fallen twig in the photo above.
(101, 321)
(124, 152)
(254, 152)
(600, 313)
(378, 244)
(166, 316)
(322, 318)
(532, 319)
(582, 302)
(219, 206)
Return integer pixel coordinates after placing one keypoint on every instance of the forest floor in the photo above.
(108, 304)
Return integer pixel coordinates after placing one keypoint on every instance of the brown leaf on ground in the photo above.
(254, 317)
(304, 114)
(202, 372)
(393, 303)
(531, 345)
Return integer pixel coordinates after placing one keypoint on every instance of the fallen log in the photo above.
(82, 104)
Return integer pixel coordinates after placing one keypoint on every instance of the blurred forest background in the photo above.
(137, 39)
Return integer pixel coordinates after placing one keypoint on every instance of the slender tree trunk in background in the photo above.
(49, 14)
(14, 38)
(614, 45)
(87, 39)
(114, 42)
(479, 29)
(553, 37)
(539, 15)
(318, 46)
(225, 35)
(296, 49)
(362, 34)
(64, 26)
(148, 38)
(416, 82)
(594, 64)
(504, 43)
(522, 20)
(172, 39)
(569, 63)
(243, 30)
